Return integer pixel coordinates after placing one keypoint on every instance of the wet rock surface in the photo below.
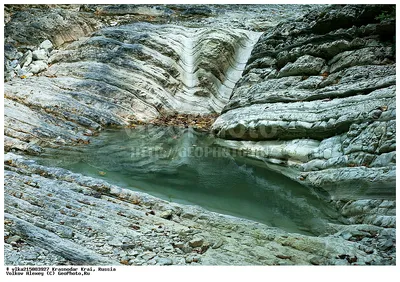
(112, 225)
(325, 80)
(311, 87)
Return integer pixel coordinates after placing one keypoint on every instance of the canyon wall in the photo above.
(318, 98)
(308, 91)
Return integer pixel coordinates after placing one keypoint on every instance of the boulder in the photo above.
(39, 55)
(26, 59)
(46, 45)
(37, 66)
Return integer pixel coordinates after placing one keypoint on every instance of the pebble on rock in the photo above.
(179, 245)
(187, 249)
(46, 45)
(315, 261)
(196, 242)
(166, 214)
(217, 244)
(189, 259)
(13, 239)
(169, 249)
(164, 261)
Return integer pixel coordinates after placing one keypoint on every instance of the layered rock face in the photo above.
(120, 75)
(312, 98)
(56, 217)
(167, 67)
(317, 97)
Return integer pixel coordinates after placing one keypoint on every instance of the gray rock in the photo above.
(128, 246)
(186, 249)
(346, 235)
(148, 246)
(67, 233)
(8, 67)
(37, 66)
(10, 52)
(123, 255)
(136, 262)
(179, 245)
(133, 253)
(31, 256)
(189, 259)
(183, 82)
(117, 226)
(13, 239)
(152, 262)
(14, 259)
(305, 65)
(196, 242)
(9, 75)
(148, 255)
(316, 261)
(328, 130)
(48, 240)
(23, 72)
(386, 244)
(40, 54)
(14, 64)
(187, 215)
(115, 242)
(168, 249)
(217, 244)
(164, 261)
(61, 25)
(46, 45)
(192, 258)
(26, 59)
(166, 214)
(365, 56)
(313, 80)
(60, 140)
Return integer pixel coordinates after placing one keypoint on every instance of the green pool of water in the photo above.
(185, 166)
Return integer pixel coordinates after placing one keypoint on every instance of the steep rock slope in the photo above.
(121, 75)
(169, 67)
(317, 99)
(95, 82)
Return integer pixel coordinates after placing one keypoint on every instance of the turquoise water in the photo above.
(185, 166)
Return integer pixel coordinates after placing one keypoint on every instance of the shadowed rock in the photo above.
(329, 77)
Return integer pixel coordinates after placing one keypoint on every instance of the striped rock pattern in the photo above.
(318, 96)
(123, 74)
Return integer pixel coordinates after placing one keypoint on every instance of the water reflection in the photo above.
(185, 166)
